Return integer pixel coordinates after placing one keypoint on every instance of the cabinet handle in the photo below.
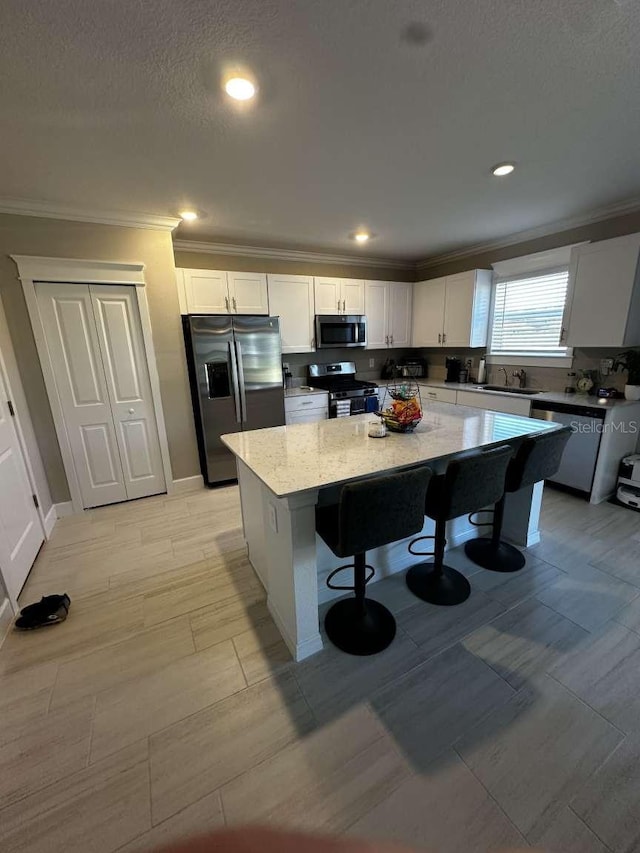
(444, 337)
(226, 302)
(338, 305)
(386, 339)
(233, 300)
(439, 337)
(391, 339)
(307, 403)
(344, 304)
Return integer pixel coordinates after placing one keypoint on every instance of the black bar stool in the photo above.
(469, 483)
(369, 514)
(536, 459)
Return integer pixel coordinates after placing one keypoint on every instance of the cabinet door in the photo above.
(328, 295)
(458, 309)
(400, 293)
(308, 417)
(248, 292)
(376, 308)
(352, 296)
(291, 299)
(206, 291)
(602, 282)
(428, 312)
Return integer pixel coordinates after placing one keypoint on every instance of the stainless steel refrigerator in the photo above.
(235, 370)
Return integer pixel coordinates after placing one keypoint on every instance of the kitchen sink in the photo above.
(526, 391)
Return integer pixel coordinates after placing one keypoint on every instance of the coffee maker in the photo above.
(454, 366)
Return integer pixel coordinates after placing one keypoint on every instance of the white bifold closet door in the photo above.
(20, 530)
(95, 342)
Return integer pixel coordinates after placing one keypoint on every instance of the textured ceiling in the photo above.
(386, 113)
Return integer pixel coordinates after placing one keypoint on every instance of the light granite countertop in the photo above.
(303, 391)
(296, 458)
(542, 396)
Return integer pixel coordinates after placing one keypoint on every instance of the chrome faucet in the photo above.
(521, 376)
(506, 376)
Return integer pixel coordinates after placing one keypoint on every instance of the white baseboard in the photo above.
(299, 651)
(187, 484)
(63, 509)
(6, 619)
(50, 521)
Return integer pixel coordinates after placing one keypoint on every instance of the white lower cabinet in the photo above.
(514, 405)
(437, 394)
(306, 408)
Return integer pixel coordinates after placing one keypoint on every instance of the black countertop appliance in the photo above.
(454, 366)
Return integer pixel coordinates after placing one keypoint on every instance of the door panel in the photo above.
(248, 292)
(328, 295)
(127, 378)
(400, 294)
(458, 309)
(20, 530)
(206, 291)
(428, 313)
(70, 329)
(352, 296)
(260, 368)
(376, 304)
(291, 300)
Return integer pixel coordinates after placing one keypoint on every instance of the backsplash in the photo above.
(543, 378)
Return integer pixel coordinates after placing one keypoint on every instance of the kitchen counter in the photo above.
(297, 458)
(303, 391)
(285, 472)
(543, 396)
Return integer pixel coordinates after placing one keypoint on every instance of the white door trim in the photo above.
(74, 271)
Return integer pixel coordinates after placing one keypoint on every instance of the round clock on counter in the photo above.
(585, 384)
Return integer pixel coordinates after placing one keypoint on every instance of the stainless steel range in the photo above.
(347, 395)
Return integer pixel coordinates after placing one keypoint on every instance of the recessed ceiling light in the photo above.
(240, 88)
(188, 215)
(503, 169)
(361, 236)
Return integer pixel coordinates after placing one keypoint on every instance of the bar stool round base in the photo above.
(447, 587)
(359, 633)
(496, 558)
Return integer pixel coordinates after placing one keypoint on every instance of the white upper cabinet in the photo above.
(248, 292)
(222, 292)
(603, 302)
(291, 299)
(428, 312)
(452, 311)
(387, 305)
(339, 295)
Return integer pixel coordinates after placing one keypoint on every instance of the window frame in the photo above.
(524, 359)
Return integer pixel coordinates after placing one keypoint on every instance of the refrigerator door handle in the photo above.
(234, 381)
(240, 369)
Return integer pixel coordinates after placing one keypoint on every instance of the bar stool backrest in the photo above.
(471, 482)
(537, 458)
(381, 510)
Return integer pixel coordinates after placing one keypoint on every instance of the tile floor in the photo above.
(167, 703)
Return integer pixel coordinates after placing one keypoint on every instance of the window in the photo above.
(527, 314)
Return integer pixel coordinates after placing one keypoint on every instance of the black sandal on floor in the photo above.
(50, 610)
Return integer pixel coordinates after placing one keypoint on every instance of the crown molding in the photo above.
(22, 207)
(560, 225)
(290, 255)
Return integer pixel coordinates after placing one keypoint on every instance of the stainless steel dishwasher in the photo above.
(580, 457)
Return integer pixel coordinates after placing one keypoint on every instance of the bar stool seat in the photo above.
(369, 514)
(470, 482)
(537, 458)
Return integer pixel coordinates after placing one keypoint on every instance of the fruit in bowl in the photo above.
(403, 415)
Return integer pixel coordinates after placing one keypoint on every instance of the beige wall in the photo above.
(206, 261)
(616, 227)
(26, 235)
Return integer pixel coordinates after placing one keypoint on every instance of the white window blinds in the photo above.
(527, 314)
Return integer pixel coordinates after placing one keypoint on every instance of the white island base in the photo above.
(293, 562)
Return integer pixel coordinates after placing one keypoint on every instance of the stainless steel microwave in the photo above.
(340, 330)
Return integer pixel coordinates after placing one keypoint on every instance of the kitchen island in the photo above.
(285, 472)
